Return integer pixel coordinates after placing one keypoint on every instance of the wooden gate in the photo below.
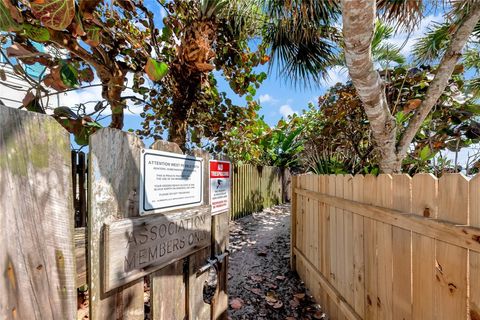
(37, 238)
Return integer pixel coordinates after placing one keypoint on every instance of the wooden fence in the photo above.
(255, 188)
(389, 247)
(44, 259)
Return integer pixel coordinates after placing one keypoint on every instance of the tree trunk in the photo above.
(358, 27)
(442, 76)
(177, 131)
(114, 97)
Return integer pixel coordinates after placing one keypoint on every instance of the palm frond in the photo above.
(301, 38)
(401, 13)
(473, 86)
(434, 43)
(387, 53)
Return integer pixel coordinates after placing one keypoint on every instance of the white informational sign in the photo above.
(169, 181)
(220, 186)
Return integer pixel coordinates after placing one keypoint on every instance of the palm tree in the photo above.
(358, 18)
(203, 23)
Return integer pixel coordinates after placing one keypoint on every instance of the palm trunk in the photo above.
(177, 131)
(358, 27)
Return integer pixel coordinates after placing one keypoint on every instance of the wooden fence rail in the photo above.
(255, 188)
(389, 247)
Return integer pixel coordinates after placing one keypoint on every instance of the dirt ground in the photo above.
(261, 285)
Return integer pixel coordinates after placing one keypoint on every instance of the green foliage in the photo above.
(69, 75)
(302, 38)
(156, 70)
(434, 44)
(54, 14)
(7, 22)
(338, 138)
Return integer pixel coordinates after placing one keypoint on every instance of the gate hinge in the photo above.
(213, 262)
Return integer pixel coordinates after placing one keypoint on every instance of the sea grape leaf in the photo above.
(7, 23)
(93, 35)
(36, 33)
(156, 70)
(69, 75)
(54, 14)
(18, 50)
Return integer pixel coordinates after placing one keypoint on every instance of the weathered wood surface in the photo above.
(416, 245)
(81, 256)
(167, 303)
(136, 247)
(197, 308)
(113, 177)
(37, 259)
(220, 233)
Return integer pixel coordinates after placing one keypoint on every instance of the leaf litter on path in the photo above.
(259, 271)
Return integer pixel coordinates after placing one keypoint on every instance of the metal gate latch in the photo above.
(213, 262)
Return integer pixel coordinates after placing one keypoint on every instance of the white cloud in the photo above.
(286, 110)
(406, 40)
(266, 98)
(335, 75)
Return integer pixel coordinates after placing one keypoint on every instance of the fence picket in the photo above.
(358, 249)
(167, 287)
(340, 241)
(402, 250)
(370, 249)
(424, 203)
(37, 257)
(112, 196)
(348, 240)
(474, 282)
(451, 261)
(384, 250)
(332, 226)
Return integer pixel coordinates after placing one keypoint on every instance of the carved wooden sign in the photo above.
(135, 247)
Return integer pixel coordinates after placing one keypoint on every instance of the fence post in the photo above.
(293, 226)
(168, 295)
(37, 259)
(114, 168)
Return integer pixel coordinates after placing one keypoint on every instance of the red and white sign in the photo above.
(220, 182)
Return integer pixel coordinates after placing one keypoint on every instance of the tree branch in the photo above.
(358, 28)
(444, 72)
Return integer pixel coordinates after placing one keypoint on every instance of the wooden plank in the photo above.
(197, 307)
(301, 222)
(358, 249)
(220, 233)
(474, 280)
(81, 256)
(402, 251)
(325, 241)
(456, 234)
(170, 279)
(137, 247)
(293, 224)
(349, 244)
(113, 185)
(335, 296)
(319, 262)
(340, 239)
(384, 250)
(451, 261)
(370, 249)
(332, 250)
(37, 258)
(424, 203)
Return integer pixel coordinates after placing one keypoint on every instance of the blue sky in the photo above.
(280, 98)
